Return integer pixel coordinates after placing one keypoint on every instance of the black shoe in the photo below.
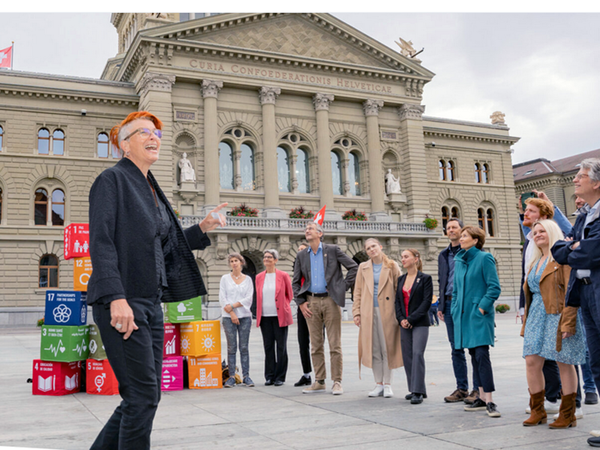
(278, 383)
(594, 441)
(409, 396)
(492, 410)
(416, 399)
(269, 383)
(591, 398)
(477, 405)
(303, 381)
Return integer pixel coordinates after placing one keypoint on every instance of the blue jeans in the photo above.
(232, 331)
(590, 312)
(459, 361)
(586, 371)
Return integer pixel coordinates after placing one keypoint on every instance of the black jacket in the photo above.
(123, 224)
(443, 272)
(419, 302)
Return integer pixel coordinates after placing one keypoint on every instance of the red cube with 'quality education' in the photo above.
(56, 378)
(100, 378)
(172, 345)
(172, 374)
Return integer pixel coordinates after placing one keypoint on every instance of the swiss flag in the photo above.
(6, 57)
(320, 217)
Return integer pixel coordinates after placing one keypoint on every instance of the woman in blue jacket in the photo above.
(476, 288)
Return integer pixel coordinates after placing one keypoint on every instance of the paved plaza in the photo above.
(282, 417)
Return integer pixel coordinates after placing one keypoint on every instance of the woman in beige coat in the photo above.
(374, 313)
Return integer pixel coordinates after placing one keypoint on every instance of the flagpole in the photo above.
(12, 55)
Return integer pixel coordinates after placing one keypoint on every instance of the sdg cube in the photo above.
(172, 374)
(100, 378)
(56, 378)
(65, 344)
(172, 343)
(82, 270)
(200, 338)
(77, 240)
(205, 372)
(186, 311)
(66, 308)
(96, 345)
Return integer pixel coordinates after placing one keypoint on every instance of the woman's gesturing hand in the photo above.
(214, 219)
(121, 317)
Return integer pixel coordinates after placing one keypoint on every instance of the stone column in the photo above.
(268, 96)
(212, 185)
(321, 103)
(376, 188)
(414, 161)
(154, 90)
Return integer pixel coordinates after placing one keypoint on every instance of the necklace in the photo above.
(238, 277)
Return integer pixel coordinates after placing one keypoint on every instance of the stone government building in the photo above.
(274, 111)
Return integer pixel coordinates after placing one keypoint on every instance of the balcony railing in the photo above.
(254, 224)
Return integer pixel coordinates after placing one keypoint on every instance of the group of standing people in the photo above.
(142, 257)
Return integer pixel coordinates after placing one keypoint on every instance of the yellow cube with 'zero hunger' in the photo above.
(82, 269)
(200, 338)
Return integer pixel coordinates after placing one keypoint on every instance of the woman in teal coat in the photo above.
(476, 288)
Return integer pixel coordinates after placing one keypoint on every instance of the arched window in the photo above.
(48, 277)
(336, 174)
(58, 207)
(354, 174)
(43, 141)
(283, 170)
(302, 174)
(226, 165)
(455, 213)
(450, 171)
(490, 222)
(41, 207)
(442, 169)
(102, 145)
(485, 174)
(481, 218)
(247, 168)
(0, 205)
(58, 142)
(445, 218)
(477, 173)
(1, 138)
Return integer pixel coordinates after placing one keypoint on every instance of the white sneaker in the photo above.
(377, 392)
(578, 416)
(595, 433)
(387, 391)
(337, 388)
(550, 407)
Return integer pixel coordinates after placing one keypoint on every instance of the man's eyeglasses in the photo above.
(581, 176)
(145, 133)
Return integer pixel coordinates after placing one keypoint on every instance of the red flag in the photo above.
(320, 217)
(6, 57)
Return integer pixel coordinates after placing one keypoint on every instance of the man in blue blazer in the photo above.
(581, 251)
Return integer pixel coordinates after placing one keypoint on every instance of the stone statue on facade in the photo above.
(406, 48)
(392, 184)
(498, 118)
(187, 171)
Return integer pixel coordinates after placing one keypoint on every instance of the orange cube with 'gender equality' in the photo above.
(205, 371)
(200, 338)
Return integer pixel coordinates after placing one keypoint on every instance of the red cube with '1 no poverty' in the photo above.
(56, 378)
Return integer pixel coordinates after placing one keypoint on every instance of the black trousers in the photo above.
(304, 342)
(552, 380)
(137, 364)
(482, 368)
(274, 338)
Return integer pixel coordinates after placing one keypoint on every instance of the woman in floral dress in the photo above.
(551, 330)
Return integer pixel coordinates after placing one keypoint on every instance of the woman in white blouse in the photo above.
(273, 316)
(235, 297)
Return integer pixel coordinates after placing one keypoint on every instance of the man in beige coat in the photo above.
(374, 312)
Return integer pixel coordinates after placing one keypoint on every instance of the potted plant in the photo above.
(430, 222)
(502, 308)
(243, 211)
(300, 213)
(354, 215)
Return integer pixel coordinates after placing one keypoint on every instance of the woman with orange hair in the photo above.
(141, 256)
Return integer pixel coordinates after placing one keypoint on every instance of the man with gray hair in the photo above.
(581, 251)
(320, 299)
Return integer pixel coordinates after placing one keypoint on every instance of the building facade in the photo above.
(274, 111)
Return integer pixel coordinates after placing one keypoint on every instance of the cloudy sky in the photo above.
(541, 69)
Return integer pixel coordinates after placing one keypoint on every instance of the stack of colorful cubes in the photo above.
(199, 341)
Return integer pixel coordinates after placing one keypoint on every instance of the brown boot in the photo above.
(538, 413)
(566, 414)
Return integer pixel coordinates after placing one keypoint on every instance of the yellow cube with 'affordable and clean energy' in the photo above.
(200, 338)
